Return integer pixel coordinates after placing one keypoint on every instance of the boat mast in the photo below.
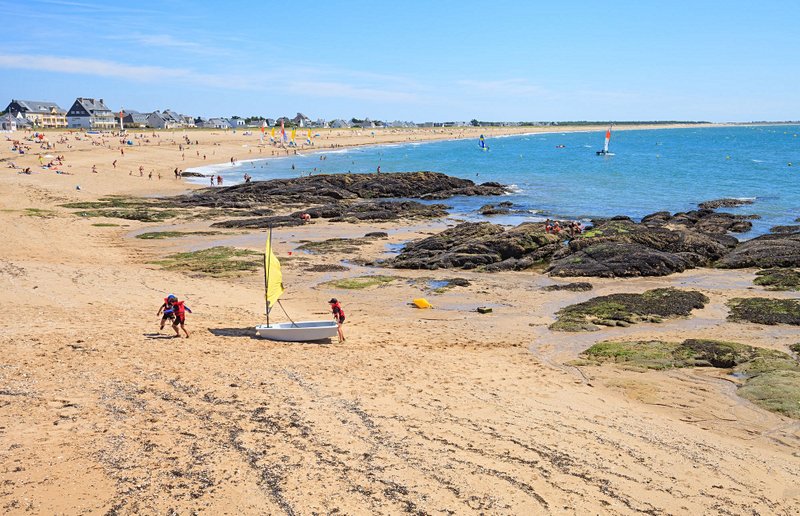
(266, 274)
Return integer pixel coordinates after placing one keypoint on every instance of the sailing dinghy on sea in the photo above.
(303, 331)
(605, 151)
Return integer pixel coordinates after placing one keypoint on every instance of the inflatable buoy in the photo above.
(422, 303)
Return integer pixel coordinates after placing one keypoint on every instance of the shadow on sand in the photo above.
(234, 332)
(159, 336)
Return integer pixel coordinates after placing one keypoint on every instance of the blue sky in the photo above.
(411, 60)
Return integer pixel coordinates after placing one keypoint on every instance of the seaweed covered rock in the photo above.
(762, 310)
(578, 286)
(777, 391)
(622, 248)
(503, 208)
(776, 250)
(345, 212)
(618, 259)
(331, 188)
(778, 279)
(726, 202)
(785, 229)
(479, 244)
(703, 220)
(770, 378)
(626, 309)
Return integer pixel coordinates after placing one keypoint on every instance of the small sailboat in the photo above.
(605, 151)
(482, 143)
(303, 331)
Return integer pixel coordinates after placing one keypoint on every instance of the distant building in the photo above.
(89, 113)
(133, 119)
(39, 113)
(236, 122)
(8, 122)
(340, 124)
(216, 123)
(270, 122)
(301, 120)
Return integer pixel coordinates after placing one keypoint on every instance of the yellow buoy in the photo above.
(422, 303)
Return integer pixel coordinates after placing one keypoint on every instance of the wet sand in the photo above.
(421, 411)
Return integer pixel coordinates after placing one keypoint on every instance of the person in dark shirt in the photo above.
(338, 316)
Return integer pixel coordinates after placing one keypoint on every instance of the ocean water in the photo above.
(653, 170)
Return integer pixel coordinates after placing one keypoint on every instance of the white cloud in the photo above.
(309, 86)
(515, 87)
(104, 68)
(344, 90)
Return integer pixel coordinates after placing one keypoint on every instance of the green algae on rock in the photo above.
(762, 310)
(771, 379)
(215, 261)
(778, 279)
(627, 309)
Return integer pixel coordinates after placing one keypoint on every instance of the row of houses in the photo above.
(89, 113)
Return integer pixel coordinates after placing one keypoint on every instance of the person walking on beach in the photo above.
(165, 307)
(178, 309)
(338, 316)
(114, 163)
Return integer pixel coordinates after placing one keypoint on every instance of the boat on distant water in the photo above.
(482, 143)
(305, 331)
(605, 151)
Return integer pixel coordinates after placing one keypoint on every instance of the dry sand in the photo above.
(436, 411)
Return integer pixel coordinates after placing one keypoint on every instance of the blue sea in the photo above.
(652, 170)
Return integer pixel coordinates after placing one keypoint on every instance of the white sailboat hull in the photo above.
(304, 331)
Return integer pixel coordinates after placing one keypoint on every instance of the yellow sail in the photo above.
(294, 134)
(272, 133)
(273, 275)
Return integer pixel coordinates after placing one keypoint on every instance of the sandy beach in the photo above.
(419, 411)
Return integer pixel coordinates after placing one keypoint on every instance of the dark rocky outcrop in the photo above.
(777, 250)
(621, 248)
(376, 234)
(480, 244)
(724, 203)
(503, 208)
(331, 188)
(578, 286)
(345, 212)
(704, 220)
(618, 259)
(784, 229)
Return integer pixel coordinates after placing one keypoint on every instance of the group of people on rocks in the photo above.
(555, 228)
